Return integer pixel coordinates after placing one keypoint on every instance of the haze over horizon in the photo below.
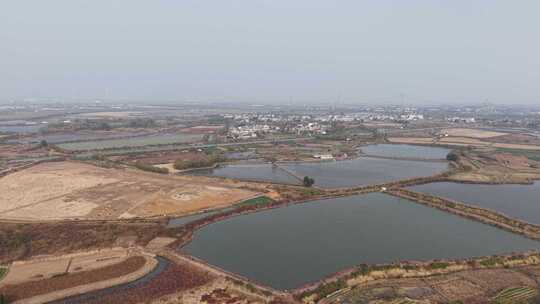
(272, 51)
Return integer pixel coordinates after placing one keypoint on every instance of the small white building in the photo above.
(324, 156)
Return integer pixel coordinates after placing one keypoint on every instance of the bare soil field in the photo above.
(48, 267)
(69, 190)
(66, 281)
(473, 133)
(15, 151)
(526, 139)
(516, 146)
(159, 243)
(412, 140)
(492, 167)
(463, 141)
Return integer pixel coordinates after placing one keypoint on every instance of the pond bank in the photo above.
(483, 215)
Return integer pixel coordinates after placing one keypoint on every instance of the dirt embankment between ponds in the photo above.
(485, 216)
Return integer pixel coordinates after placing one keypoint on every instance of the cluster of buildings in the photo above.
(252, 131)
(254, 125)
(310, 127)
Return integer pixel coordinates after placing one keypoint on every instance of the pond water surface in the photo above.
(335, 174)
(258, 172)
(21, 129)
(288, 247)
(161, 139)
(364, 171)
(518, 201)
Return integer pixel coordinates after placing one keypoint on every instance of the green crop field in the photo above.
(261, 200)
(515, 295)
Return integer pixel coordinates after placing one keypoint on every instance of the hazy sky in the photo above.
(273, 50)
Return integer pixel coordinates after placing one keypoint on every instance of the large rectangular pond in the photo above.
(161, 139)
(405, 151)
(364, 171)
(257, 172)
(288, 247)
(21, 129)
(71, 137)
(518, 201)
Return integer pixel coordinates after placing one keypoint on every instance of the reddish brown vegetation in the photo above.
(19, 241)
(34, 288)
(218, 296)
(281, 300)
(175, 278)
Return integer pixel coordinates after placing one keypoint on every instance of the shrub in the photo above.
(452, 156)
(491, 262)
(151, 168)
(438, 265)
(206, 161)
(308, 181)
